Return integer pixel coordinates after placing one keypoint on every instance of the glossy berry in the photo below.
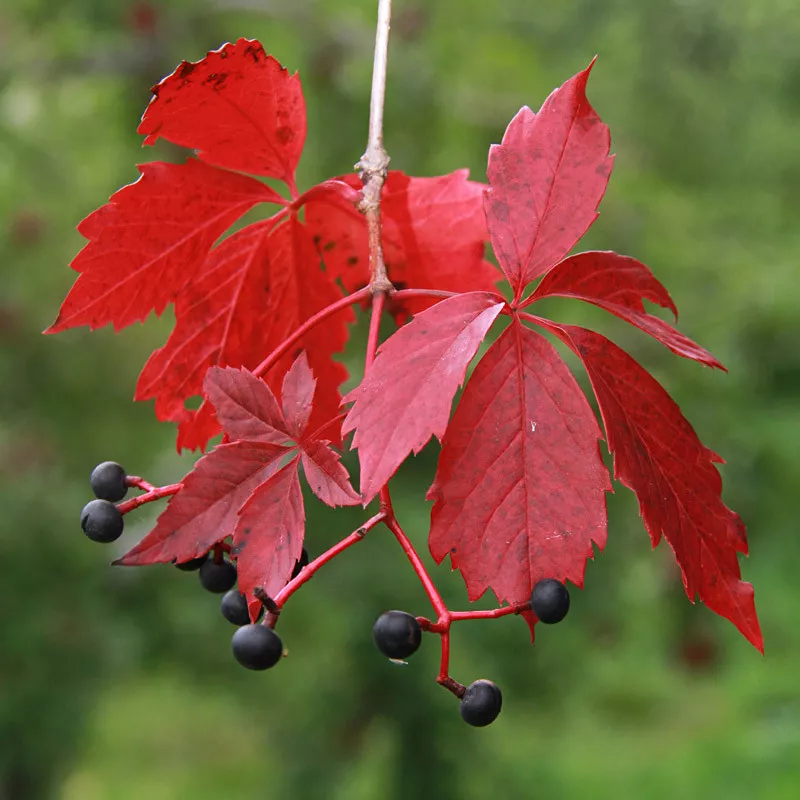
(217, 578)
(234, 607)
(397, 634)
(108, 481)
(193, 565)
(481, 703)
(101, 521)
(256, 647)
(550, 601)
(300, 563)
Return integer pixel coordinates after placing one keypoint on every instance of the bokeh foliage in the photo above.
(119, 683)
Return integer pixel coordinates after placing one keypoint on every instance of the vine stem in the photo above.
(311, 322)
(308, 571)
(374, 164)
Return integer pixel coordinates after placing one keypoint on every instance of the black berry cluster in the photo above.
(256, 646)
(101, 520)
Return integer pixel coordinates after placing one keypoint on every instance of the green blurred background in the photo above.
(119, 683)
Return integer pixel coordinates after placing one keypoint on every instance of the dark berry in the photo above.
(108, 481)
(193, 565)
(101, 521)
(217, 578)
(481, 703)
(299, 564)
(397, 634)
(256, 647)
(234, 607)
(550, 601)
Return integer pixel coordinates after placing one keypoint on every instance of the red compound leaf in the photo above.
(547, 179)
(248, 410)
(520, 489)
(406, 396)
(205, 510)
(659, 456)
(145, 244)
(237, 107)
(268, 539)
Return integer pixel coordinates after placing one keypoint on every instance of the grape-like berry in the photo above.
(256, 647)
(101, 521)
(217, 578)
(234, 607)
(300, 563)
(397, 634)
(193, 565)
(550, 601)
(481, 703)
(108, 481)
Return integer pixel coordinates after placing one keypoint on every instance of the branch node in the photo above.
(269, 604)
(458, 689)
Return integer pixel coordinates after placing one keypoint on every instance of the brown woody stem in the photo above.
(374, 164)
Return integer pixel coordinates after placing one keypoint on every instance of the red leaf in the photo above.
(255, 290)
(619, 284)
(326, 476)
(145, 244)
(245, 406)
(547, 179)
(268, 539)
(204, 510)
(520, 488)
(196, 430)
(219, 319)
(299, 289)
(658, 455)
(406, 396)
(248, 410)
(433, 230)
(237, 107)
(297, 396)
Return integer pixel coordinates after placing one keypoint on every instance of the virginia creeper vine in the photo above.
(519, 495)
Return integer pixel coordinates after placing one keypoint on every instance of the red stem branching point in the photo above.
(151, 493)
(135, 482)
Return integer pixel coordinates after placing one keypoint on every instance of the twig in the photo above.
(374, 164)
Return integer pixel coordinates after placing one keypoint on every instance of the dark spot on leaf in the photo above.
(186, 69)
(329, 246)
(285, 134)
(255, 52)
(352, 261)
(217, 79)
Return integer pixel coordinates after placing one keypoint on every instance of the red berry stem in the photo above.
(139, 483)
(152, 493)
(307, 572)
